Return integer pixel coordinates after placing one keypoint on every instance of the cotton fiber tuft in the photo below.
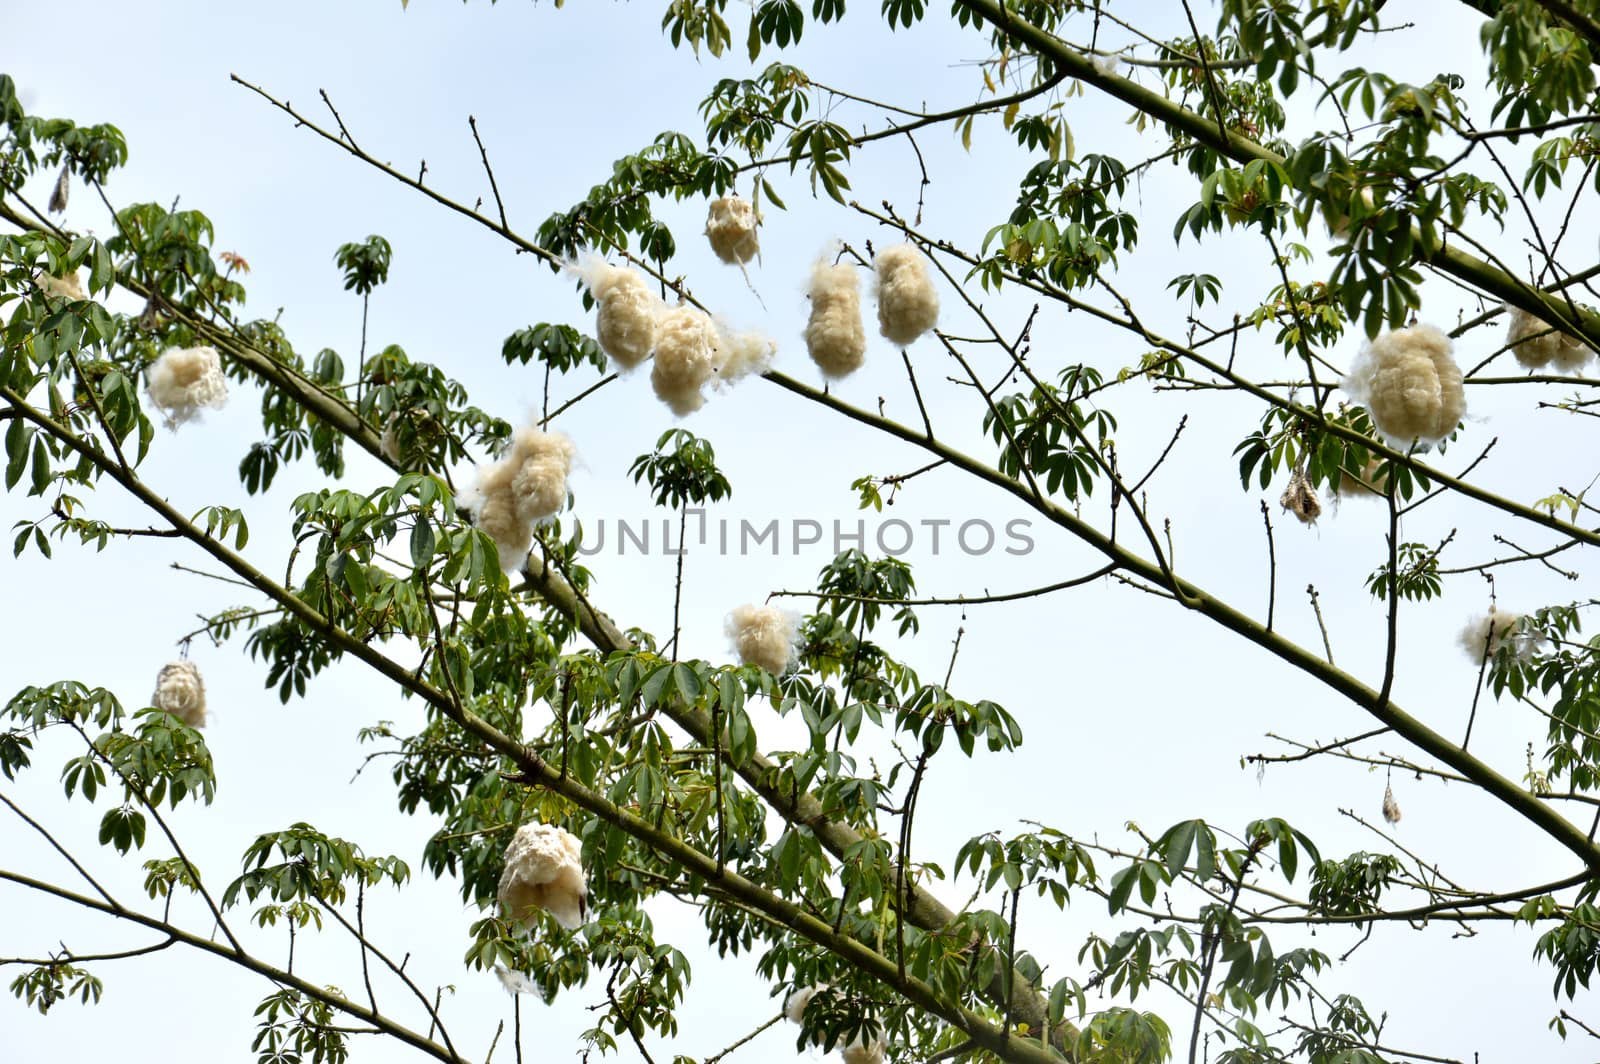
(69, 286)
(626, 308)
(835, 336)
(686, 359)
(731, 227)
(908, 306)
(742, 354)
(1410, 384)
(1537, 345)
(186, 380)
(766, 636)
(544, 873)
(527, 485)
(1483, 636)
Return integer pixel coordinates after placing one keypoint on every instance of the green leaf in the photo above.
(687, 681)
(1177, 843)
(1121, 888)
(422, 542)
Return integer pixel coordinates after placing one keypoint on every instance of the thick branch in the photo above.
(922, 909)
(244, 960)
(1409, 727)
(537, 771)
(1465, 267)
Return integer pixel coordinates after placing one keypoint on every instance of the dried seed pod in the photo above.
(856, 1051)
(1391, 808)
(1483, 636)
(1572, 356)
(540, 481)
(1299, 499)
(181, 692)
(69, 286)
(1537, 345)
(794, 1006)
(859, 1052)
(417, 428)
(58, 195)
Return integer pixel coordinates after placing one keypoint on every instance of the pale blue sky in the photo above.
(1133, 710)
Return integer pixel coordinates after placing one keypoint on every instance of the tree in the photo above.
(540, 707)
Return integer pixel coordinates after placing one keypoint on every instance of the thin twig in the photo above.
(713, 1058)
(957, 600)
(1272, 567)
(494, 186)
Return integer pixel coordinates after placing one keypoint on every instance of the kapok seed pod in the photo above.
(835, 336)
(181, 692)
(731, 228)
(186, 380)
(543, 872)
(908, 305)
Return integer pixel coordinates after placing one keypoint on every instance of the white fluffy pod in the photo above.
(686, 359)
(856, 1051)
(186, 380)
(497, 516)
(69, 286)
(1483, 636)
(1410, 384)
(908, 306)
(527, 485)
(859, 1052)
(626, 308)
(539, 481)
(731, 227)
(1370, 483)
(181, 692)
(742, 354)
(794, 1007)
(835, 337)
(1572, 356)
(389, 442)
(544, 873)
(766, 636)
(1536, 345)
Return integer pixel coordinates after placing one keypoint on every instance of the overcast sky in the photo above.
(1132, 709)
